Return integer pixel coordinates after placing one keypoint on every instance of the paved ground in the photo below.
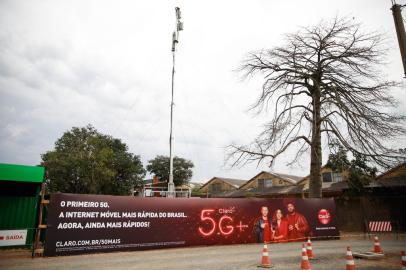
(330, 255)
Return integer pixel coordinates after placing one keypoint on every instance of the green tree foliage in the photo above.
(196, 192)
(88, 162)
(182, 169)
(360, 174)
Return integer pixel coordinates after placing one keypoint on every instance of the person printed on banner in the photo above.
(297, 223)
(263, 227)
(280, 225)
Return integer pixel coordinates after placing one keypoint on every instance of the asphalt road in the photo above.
(330, 255)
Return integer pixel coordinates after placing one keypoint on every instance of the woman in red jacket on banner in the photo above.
(280, 225)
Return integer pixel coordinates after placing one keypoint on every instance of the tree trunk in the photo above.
(315, 184)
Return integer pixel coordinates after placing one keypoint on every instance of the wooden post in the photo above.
(400, 31)
(37, 249)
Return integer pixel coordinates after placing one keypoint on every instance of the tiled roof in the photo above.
(292, 178)
(278, 190)
(235, 182)
(391, 170)
(332, 186)
(298, 189)
(398, 181)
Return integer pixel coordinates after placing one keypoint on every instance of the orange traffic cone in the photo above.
(305, 265)
(403, 258)
(350, 260)
(377, 246)
(309, 249)
(266, 262)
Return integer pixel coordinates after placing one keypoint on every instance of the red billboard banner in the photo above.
(99, 223)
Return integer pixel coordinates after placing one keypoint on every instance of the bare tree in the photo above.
(325, 80)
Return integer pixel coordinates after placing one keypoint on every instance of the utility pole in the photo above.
(175, 40)
(400, 31)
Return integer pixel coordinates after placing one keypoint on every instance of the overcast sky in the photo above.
(108, 63)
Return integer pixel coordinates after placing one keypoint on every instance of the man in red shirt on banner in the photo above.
(263, 227)
(297, 223)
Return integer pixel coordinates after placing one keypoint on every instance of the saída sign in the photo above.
(98, 223)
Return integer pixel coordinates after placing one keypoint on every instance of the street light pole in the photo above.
(175, 40)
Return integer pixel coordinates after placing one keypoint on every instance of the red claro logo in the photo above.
(324, 216)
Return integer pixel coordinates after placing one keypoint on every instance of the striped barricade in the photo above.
(380, 226)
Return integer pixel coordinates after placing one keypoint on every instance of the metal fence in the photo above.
(163, 192)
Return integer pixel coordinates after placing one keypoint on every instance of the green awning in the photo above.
(21, 173)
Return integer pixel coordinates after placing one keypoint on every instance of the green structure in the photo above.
(19, 197)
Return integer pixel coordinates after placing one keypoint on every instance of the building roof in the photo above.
(293, 179)
(289, 177)
(397, 181)
(391, 170)
(342, 185)
(282, 190)
(238, 193)
(231, 181)
(332, 186)
(308, 176)
(21, 173)
(276, 190)
(234, 182)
